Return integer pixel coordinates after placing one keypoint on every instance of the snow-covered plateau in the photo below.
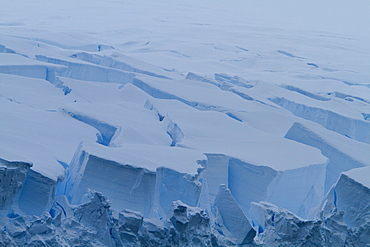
(184, 123)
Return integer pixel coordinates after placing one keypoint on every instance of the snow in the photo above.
(133, 113)
(359, 175)
(45, 163)
(343, 154)
(116, 125)
(178, 159)
(36, 93)
(244, 142)
(144, 178)
(9, 59)
(22, 127)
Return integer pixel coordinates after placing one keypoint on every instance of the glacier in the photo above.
(193, 123)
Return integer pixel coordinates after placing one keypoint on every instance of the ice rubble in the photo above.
(95, 223)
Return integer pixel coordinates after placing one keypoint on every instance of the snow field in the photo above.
(238, 122)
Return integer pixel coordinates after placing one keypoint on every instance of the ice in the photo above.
(121, 62)
(279, 226)
(216, 172)
(103, 93)
(95, 214)
(131, 220)
(135, 191)
(249, 145)
(154, 232)
(119, 129)
(344, 154)
(258, 182)
(37, 186)
(266, 214)
(88, 72)
(107, 131)
(25, 185)
(133, 181)
(190, 221)
(255, 155)
(12, 61)
(306, 93)
(41, 180)
(359, 175)
(36, 93)
(298, 190)
(351, 195)
(353, 128)
(22, 66)
(170, 185)
(55, 136)
(13, 175)
(146, 115)
(233, 217)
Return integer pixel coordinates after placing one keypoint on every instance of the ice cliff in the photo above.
(198, 123)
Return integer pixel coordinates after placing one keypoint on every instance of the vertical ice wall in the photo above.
(127, 186)
(19, 65)
(216, 172)
(351, 195)
(298, 190)
(346, 126)
(339, 159)
(38, 194)
(171, 185)
(115, 172)
(233, 217)
(89, 72)
(12, 177)
(248, 183)
(37, 185)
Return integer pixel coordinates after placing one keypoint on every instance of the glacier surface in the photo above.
(193, 123)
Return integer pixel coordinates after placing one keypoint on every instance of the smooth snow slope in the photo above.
(192, 102)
